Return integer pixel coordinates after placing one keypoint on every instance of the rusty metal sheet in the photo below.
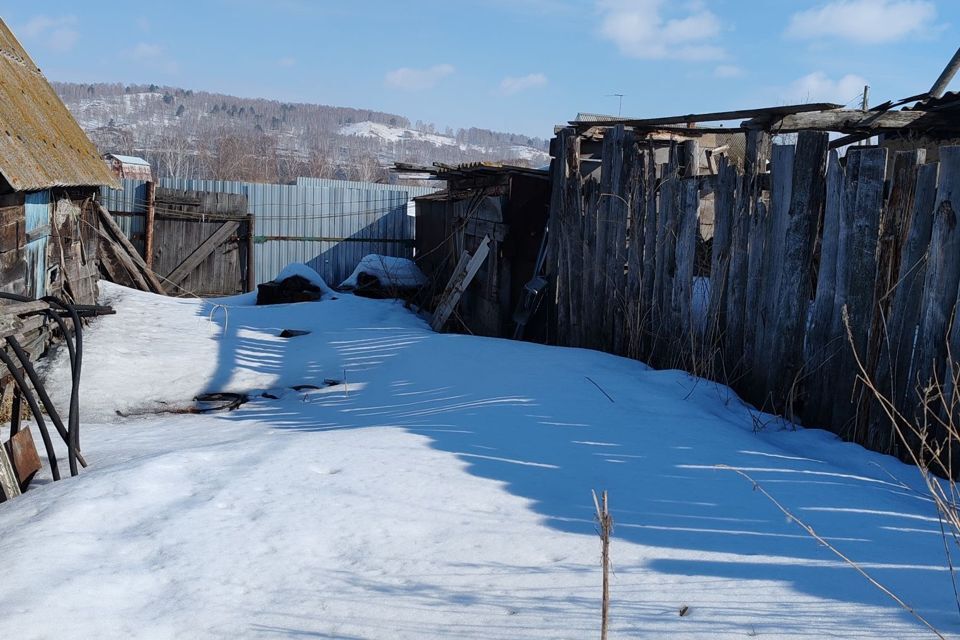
(24, 456)
(41, 145)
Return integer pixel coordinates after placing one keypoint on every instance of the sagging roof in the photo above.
(41, 145)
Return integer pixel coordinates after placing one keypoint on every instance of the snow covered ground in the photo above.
(441, 490)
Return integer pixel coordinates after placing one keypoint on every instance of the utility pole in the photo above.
(864, 105)
(936, 91)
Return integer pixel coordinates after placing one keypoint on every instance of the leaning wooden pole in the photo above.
(940, 86)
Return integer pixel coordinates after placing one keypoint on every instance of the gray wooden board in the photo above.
(867, 203)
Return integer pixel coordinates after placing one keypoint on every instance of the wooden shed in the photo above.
(508, 204)
(128, 167)
(50, 174)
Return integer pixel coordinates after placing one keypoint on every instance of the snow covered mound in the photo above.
(390, 272)
(424, 485)
(307, 273)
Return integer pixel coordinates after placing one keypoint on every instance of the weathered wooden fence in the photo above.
(820, 267)
(202, 242)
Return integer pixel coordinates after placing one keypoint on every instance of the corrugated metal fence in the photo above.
(327, 224)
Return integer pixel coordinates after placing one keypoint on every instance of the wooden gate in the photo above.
(202, 243)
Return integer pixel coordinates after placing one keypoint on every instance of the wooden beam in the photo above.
(121, 239)
(200, 253)
(716, 116)
(458, 284)
(856, 121)
(946, 76)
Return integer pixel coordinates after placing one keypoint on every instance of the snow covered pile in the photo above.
(307, 273)
(390, 272)
(430, 485)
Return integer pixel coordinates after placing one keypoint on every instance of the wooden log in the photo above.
(120, 265)
(867, 203)
(823, 342)
(793, 297)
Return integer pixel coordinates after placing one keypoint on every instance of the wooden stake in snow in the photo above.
(606, 526)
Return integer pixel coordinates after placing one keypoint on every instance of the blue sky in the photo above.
(511, 65)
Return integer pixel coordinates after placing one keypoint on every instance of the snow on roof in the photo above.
(129, 159)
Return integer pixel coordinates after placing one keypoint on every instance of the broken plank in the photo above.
(456, 288)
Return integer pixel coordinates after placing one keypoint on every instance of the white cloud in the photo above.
(728, 71)
(413, 79)
(58, 34)
(863, 21)
(818, 87)
(154, 56)
(287, 61)
(639, 30)
(511, 85)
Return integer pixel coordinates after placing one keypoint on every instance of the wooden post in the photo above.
(251, 258)
(148, 229)
(606, 526)
(9, 485)
(946, 76)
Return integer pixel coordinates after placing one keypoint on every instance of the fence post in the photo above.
(251, 260)
(148, 231)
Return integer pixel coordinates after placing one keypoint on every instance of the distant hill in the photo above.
(209, 135)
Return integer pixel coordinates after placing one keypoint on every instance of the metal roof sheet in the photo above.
(128, 159)
(41, 145)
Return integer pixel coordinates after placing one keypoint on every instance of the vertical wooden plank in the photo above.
(682, 303)
(648, 278)
(588, 299)
(575, 248)
(908, 294)
(667, 220)
(637, 165)
(867, 205)
(724, 208)
(894, 221)
(763, 274)
(611, 225)
(737, 277)
(822, 344)
(793, 298)
(553, 266)
(941, 281)
(617, 269)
